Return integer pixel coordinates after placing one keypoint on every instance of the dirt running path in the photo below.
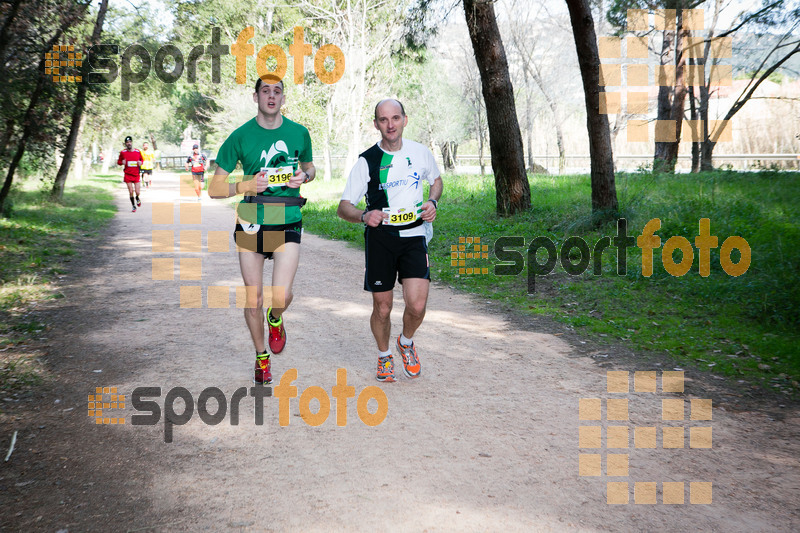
(486, 439)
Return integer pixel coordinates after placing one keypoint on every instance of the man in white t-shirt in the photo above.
(389, 174)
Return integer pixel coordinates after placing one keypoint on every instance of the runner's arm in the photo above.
(351, 213)
(220, 188)
(428, 209)
(306, 169)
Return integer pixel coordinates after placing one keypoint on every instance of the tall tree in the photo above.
(440, 118)
(672, 99)
(604, 191)
(526, 41)
(28, 122)
(367, 31)
(471, 92)
(5, 33)
(77, 113)
(30, 126)
(781, 15)
(513, 191)
(772, 18)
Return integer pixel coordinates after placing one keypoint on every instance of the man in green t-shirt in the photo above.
(275, 153)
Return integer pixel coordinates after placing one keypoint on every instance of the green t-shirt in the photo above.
(260, 149)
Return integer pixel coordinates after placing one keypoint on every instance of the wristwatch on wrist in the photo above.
(363, 215)
(435, 203)
(305, 180)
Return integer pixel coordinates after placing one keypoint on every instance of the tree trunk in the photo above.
(77, 111)
(666, 152)
(708, 144)
(528, 111)
(108, 154)
(481, 160)
(706, 152)
(505, 141)
(562, 157)
(664, 99)
(529, 129)
(327, 168)
(6, 137)
(604, 191)
(551, 102)
(447, 156)
(28, 122)
(695, 144)
(57, 158)
(679, 98)
(5, 32)
(693, 115)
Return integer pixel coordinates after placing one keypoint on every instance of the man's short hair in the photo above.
(128, 138)
(402, 109)
(260, 82)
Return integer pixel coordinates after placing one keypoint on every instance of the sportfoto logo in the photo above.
(60, 59)
(143, 402)
(169, 62)
(513, 261)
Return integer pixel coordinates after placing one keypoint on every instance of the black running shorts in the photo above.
(390, 257)
(266, 239)
(200, 176)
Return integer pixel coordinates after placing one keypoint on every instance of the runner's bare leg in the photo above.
(283, 272)
(415, 295)
(252, 267)
(380, 322)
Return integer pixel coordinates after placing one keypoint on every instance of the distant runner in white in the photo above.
(389, 175)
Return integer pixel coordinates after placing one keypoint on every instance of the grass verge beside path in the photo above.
(35, 243)
(745, 327)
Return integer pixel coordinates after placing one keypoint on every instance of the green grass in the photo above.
(36, 241)
(743, 327)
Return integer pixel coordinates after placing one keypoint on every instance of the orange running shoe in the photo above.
(411, 365)
(385, 369)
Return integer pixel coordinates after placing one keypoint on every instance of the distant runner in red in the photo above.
(197, 164)
(132, 160)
